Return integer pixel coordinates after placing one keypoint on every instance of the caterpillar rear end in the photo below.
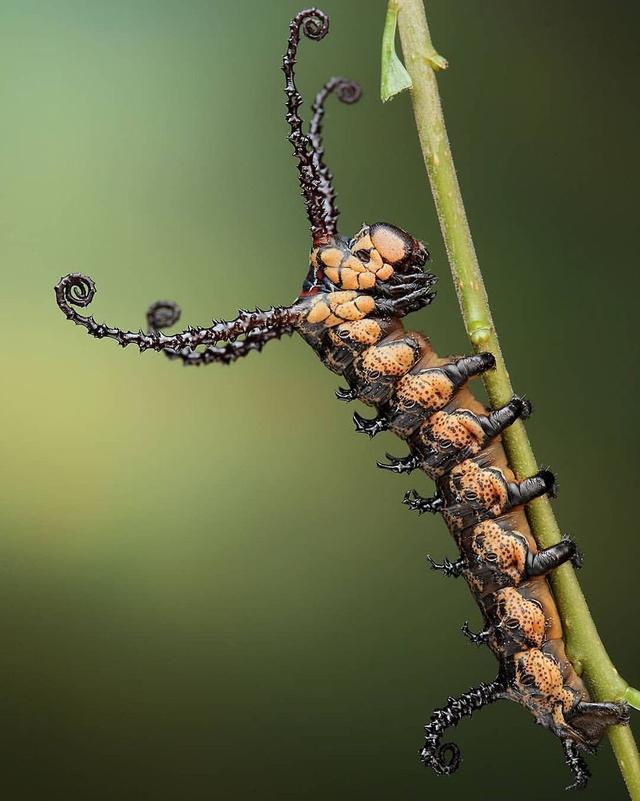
(356, 292)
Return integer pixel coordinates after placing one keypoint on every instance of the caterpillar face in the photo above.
(336, 265)
(394, 246)
(375, 254)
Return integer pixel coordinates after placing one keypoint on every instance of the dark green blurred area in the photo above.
(208, 590)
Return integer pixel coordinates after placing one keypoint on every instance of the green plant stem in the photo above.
(584, 646)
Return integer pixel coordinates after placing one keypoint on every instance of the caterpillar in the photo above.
(350, 310)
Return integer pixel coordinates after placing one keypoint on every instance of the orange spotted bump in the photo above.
(503, 551)
(473, 487)
(429, 390)
(541, 686)
(417, 394)
(391, 359)
(334, 308)
(449, 434)
(375, 371)
(519, 620)
(347, 340)
(362, 333)
(348, 271)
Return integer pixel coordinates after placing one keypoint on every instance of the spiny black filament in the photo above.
(258, 326)
(315, 178)
(348, 92)
(445, 759)
(165, 313)
(315, 25)
(576, 765)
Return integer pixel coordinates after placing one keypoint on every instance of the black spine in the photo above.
(76, 289)
(444, 759)
(349, 92)
(315, 25)
(165, 313)
(576, 765)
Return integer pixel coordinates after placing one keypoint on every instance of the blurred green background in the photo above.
(208, 590)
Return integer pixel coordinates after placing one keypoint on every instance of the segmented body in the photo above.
(426, 401)
(400, 375)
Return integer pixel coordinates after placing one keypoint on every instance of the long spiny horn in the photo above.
(76, 289)
(347, 91)
(315, 25)
(166, 313)
(444, 759)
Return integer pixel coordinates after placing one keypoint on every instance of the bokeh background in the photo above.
(208, 590)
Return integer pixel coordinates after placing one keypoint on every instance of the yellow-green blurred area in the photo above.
(208, 590)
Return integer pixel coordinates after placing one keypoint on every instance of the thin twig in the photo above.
(584, 646)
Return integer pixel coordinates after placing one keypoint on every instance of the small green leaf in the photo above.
(394, 77)
(632, 697)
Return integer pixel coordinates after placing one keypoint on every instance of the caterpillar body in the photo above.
(356, 292)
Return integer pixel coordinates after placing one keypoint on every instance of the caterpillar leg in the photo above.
(589, 720)
(496, 421)
(521, 492)
(346, 395)
(397, 290)
(576, 765)
(477, 638)
(445, 759)
(370, 427)
(541, 563)
(412, 301)
(467, 367)
(400, 464)
(611, 713)
(449, 568)
(417, 503)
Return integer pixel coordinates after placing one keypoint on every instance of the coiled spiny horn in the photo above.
(348, 92)
(315, 25)
(165, 313)
(76, 289)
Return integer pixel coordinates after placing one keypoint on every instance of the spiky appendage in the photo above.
(523, 492)
(576, 765)
(400, 464)
(370, 427)
(445, 759)
(346, 395)
(499, 419)
(547, 559)
(315, 25)
(476, 637)
(165, 313)
(346, 91)
(417, 503)
(76, 289)
(448, 568)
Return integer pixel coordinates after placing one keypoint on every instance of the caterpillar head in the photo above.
(392, 245)
(377, 253)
